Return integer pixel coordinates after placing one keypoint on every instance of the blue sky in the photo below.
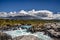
(17, 5)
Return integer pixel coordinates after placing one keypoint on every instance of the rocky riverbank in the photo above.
(27, 37)
(4, 36)
(49, 29)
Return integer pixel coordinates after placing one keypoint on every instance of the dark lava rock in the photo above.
(4, 36)
(26, 37)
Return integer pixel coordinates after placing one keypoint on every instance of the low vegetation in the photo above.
(4, 22)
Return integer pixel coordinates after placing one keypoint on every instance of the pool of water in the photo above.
(26, 26)
(16, 33)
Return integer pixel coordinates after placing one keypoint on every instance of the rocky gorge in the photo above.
(47, 31)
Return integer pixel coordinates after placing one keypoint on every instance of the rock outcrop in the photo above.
(27, 37)
(4, 36)
(52, 29)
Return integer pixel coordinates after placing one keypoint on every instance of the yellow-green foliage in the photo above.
(35, 21)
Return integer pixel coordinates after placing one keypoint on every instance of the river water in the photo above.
(20, 32)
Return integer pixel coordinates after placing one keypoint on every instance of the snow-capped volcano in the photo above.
(32, 14)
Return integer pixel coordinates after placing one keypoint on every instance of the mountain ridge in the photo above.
(33, 14)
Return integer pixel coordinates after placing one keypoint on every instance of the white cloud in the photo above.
(43, 14)
(22, 11)
(3, 14)
(56, 16)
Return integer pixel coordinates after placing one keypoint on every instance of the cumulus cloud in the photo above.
(40, 14)
(56, 16)
(44, 14)
(3, 14)
(12, 14)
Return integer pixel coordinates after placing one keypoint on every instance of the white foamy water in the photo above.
(21, 32)
(17, 33)
(42, 36)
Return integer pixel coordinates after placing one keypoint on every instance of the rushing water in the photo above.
(16, 33)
